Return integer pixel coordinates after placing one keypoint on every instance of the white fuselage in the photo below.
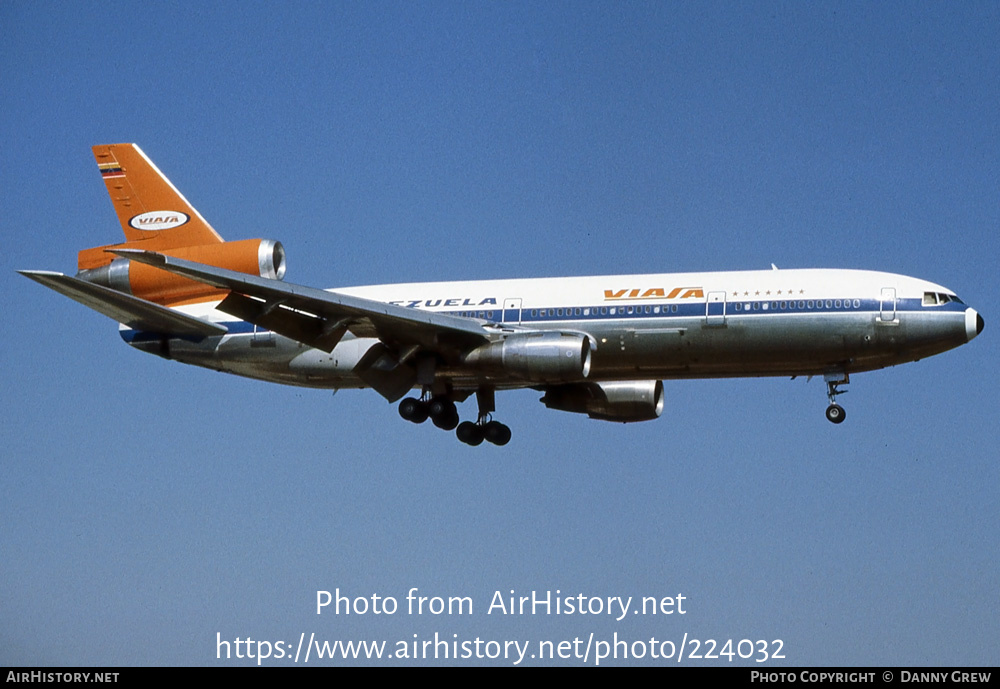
(641, 327)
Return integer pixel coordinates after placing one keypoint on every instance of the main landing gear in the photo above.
(835, 413)
(484, 429)
(440, 410)
(443, 414)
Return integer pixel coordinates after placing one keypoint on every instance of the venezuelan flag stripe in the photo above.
(111, 170)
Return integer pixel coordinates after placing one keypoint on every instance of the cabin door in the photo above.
(887, 309)
(512, 310)
(715, 308)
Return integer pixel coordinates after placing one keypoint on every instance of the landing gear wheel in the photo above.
(483, 429)
(497, 433)
(413, 410)
(443, 413)
(835, 413)
(446, 423)
(470, 433)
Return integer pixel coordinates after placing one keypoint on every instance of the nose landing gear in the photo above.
(835, 413)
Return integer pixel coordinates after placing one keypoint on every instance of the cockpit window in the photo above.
(936, 298)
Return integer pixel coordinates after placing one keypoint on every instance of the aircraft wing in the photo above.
(132, 311)
(320, 318)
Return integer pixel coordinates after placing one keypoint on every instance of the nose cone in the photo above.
(973, 323)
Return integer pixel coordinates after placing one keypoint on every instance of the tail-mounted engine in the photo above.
(263, 257)
(622, 401)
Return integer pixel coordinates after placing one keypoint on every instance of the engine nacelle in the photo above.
(622, 401)
(263, 257)
(540, 356)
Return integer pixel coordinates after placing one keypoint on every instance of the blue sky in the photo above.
(148, 506)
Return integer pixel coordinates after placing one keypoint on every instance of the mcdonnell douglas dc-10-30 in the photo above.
(600, 346)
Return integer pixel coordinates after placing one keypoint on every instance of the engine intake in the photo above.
(622, 401)
(540, 357)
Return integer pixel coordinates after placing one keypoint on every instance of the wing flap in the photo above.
(312, 330)
(382, 370)
(124, 308)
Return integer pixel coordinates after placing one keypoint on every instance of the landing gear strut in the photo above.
(835, 413)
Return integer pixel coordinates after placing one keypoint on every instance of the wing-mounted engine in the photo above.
(535, 356)
(622, 401)
(263, 257)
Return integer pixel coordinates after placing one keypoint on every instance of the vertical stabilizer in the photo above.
(149, 207)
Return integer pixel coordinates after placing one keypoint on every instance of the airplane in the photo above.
(600, 346)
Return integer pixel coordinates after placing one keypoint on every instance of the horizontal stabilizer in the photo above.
(124, 308)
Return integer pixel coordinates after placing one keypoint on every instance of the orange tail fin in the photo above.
(152, 213)
(156, 217)
(149, 207)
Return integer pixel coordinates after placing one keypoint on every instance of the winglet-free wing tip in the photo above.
(40, 276)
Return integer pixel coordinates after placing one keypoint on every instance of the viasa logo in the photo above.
(654, 293)
(158, 220)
